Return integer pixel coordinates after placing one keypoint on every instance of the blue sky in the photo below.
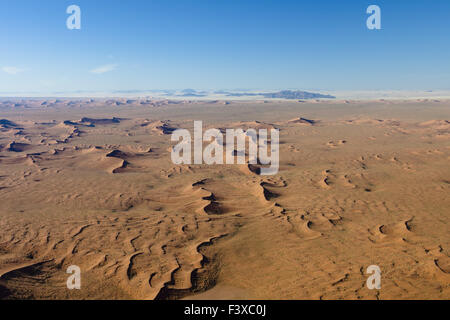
(217, 44)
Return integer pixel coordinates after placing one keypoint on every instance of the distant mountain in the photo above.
(192, 93)
(189, 91)
(284, 94)
(289, 94)
(242, 94)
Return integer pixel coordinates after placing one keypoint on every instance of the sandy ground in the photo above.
(90, 183)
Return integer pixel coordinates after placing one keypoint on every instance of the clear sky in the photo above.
(224, 44)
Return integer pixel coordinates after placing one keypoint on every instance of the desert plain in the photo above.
(90, 182)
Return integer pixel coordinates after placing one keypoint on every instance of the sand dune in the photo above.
(89, 182)
(303, 121)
